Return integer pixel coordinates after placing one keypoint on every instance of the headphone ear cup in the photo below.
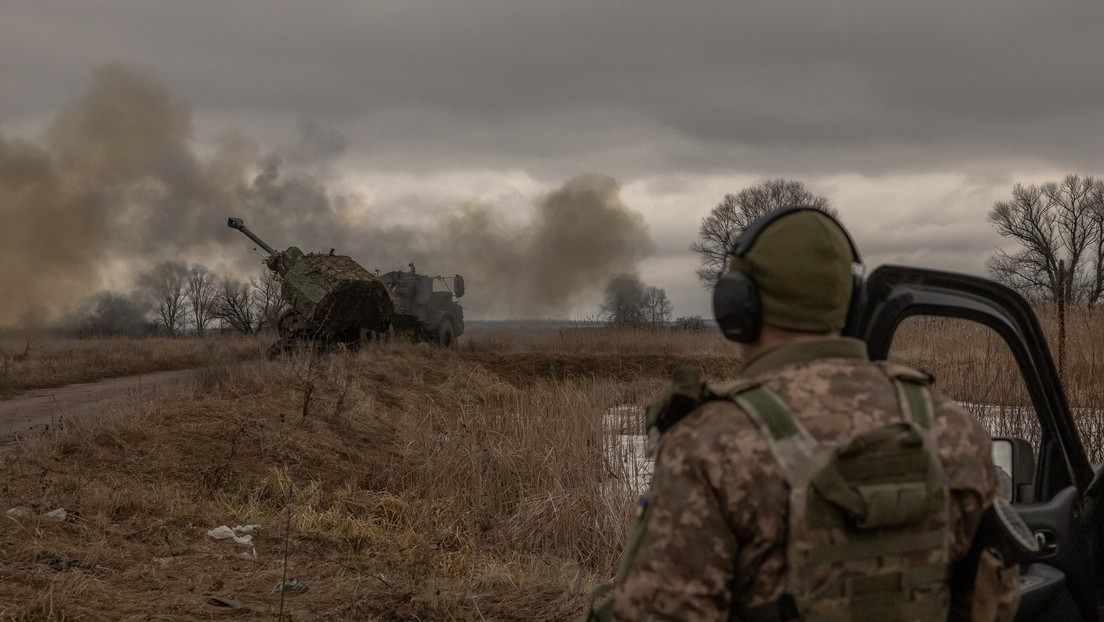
(855, 305)
(737, 308)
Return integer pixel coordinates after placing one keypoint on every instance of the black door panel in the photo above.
(1044, 596)
(1060, 522)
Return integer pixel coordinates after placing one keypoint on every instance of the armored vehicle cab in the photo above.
(431, 314)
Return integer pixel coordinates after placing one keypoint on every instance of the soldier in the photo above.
(819, 484)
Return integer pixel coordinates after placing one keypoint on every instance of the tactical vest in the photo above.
(868, 532)
(867, 523)
(868, 527)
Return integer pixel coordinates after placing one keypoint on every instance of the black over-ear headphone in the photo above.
(736, 303)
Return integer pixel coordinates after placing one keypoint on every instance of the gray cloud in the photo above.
(658, 93)
(417, 85)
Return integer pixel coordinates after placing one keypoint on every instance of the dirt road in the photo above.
(35, 411)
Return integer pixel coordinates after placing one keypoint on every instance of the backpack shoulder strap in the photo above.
(766, 409)
(913, 392)
(795, 450)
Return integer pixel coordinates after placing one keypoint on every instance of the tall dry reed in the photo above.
(974, 365)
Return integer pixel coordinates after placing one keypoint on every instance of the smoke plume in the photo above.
(578, 236)
(116, 184)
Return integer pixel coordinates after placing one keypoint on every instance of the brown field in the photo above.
(401, 482)
(35, 362)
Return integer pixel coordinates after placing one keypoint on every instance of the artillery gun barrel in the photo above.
(237, 223)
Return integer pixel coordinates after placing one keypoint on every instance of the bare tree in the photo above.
(623, 304)
(266, 290)
(165, 284)
(1051, 223)
(656, 306)
(201, 292)
(719, 230)
(235, 306)
(690, 323)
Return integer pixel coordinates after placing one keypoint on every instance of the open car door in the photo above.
(1061, 502)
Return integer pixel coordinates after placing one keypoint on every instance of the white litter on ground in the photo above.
(241, 534)
(55, 516)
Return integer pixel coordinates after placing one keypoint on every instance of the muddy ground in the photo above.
(36, 411)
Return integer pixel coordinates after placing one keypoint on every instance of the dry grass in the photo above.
(404, 481)
(595, 340)
(401, 483)
(34, 362)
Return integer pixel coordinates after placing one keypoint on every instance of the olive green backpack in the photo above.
(867, 523)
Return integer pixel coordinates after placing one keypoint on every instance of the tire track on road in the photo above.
(35, 411)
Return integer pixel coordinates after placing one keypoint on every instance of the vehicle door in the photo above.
(1054, 488)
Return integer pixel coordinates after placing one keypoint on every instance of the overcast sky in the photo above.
(912, 118)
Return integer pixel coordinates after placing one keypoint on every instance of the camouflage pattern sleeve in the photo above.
(713, 537)
(966, 451)
(684, 566)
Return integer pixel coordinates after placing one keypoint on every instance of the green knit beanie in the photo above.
(801, 265)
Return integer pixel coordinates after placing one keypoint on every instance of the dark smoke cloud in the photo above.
(108, 314)
(117, 180)
(623, 300)
(579, 235)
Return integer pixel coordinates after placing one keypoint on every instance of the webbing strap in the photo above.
(920, 576)
(880, 544)
(915, 399)
(929, 608)
(794, 449)
(922, 609)
(770, 410)
(906, 579)
(767, 612)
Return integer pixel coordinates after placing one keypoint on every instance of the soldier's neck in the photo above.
(772, 337)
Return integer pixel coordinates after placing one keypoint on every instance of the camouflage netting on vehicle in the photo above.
(337, 293)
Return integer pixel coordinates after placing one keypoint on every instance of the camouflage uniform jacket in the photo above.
(714, 541)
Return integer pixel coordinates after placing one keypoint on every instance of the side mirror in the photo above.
(458, 286)
(1015, 462)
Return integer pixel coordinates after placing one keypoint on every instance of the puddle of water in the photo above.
(627, 452)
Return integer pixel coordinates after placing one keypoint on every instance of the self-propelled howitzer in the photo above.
(331, 298)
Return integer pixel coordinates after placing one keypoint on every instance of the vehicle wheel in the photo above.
(445, 333)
